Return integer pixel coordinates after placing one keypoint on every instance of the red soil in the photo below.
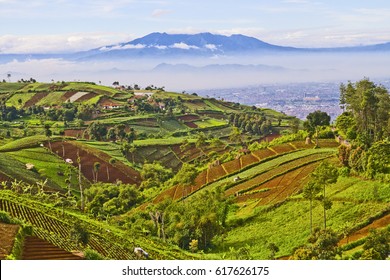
(77, 133)
(86, 97)
(39, 249)
(191, 125)
(188, 118)
(361, 233)
(118, 171)
(35, 99)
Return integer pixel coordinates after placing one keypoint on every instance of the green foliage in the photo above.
(154, 175)
(111, 199)
(5, 218)
(79, 234)
(90, 254)
(378, 161)
(186, 175)
(368, 105)
(316, 119)
(377, 245)
(322, 246)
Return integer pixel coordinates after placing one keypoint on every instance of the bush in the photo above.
(344, 171)
(5, 218)
(90, 254)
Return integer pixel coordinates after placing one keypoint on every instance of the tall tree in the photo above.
(369, 105)
(311, 191)
(325, 175)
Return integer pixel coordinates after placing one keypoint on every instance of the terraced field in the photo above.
(54, 226)
(39, 249)
(89, 155)
(256, 172)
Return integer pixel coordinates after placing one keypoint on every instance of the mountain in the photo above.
(207, 45)
(202, 44)
(163, 45)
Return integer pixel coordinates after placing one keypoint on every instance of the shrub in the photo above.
(5, 218)
(90, 254)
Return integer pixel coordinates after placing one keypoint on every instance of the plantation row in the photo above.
(252, 175)
(107, 243)
(58, 232)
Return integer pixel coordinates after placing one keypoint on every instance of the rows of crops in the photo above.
(57, 232)
(275, 170)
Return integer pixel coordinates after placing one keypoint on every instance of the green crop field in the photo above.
(48, 166)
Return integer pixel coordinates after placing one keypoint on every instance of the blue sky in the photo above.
(58, 25)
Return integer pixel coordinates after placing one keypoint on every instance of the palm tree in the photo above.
(96, 167)
(112, 162)
(80, 185)
(310, 192)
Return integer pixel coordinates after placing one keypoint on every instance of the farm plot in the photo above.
(57, 232)
(16, 98)
(38, 249)
(7, 237)
(282, 190)
(16, 170)
(273, 171)
(247, 160)
(283, 148)
(232, 166)
(215, 172)
(48, 165)
(88, 156)
(35, 99)
(54, 98)
(269, 165)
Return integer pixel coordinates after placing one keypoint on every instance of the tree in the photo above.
(324, 175)
(369, 105)
(79, 234)
(111, 135)
(154, 175)
(82, 202)
(310, 191)
(111, 162)
(323, 245)
(48, 134)
(378, 161)
(96, 167)
(377, 245)
(314, 120)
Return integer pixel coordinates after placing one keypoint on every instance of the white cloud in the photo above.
(160, 47)
(160, 12)
(183, 46)
(58, 43)
(211, 47)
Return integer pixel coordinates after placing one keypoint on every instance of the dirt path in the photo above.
(363, 232)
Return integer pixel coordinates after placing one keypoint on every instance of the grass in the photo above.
(17, 170)
(24, 97)
(10, 87)
(208, 122)
(54, 98)
(112, 149)
(162, 141)
(26, 142)
(288, 225)
(80, 86)
(47, 164)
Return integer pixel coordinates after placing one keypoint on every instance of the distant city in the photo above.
(295, 99)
